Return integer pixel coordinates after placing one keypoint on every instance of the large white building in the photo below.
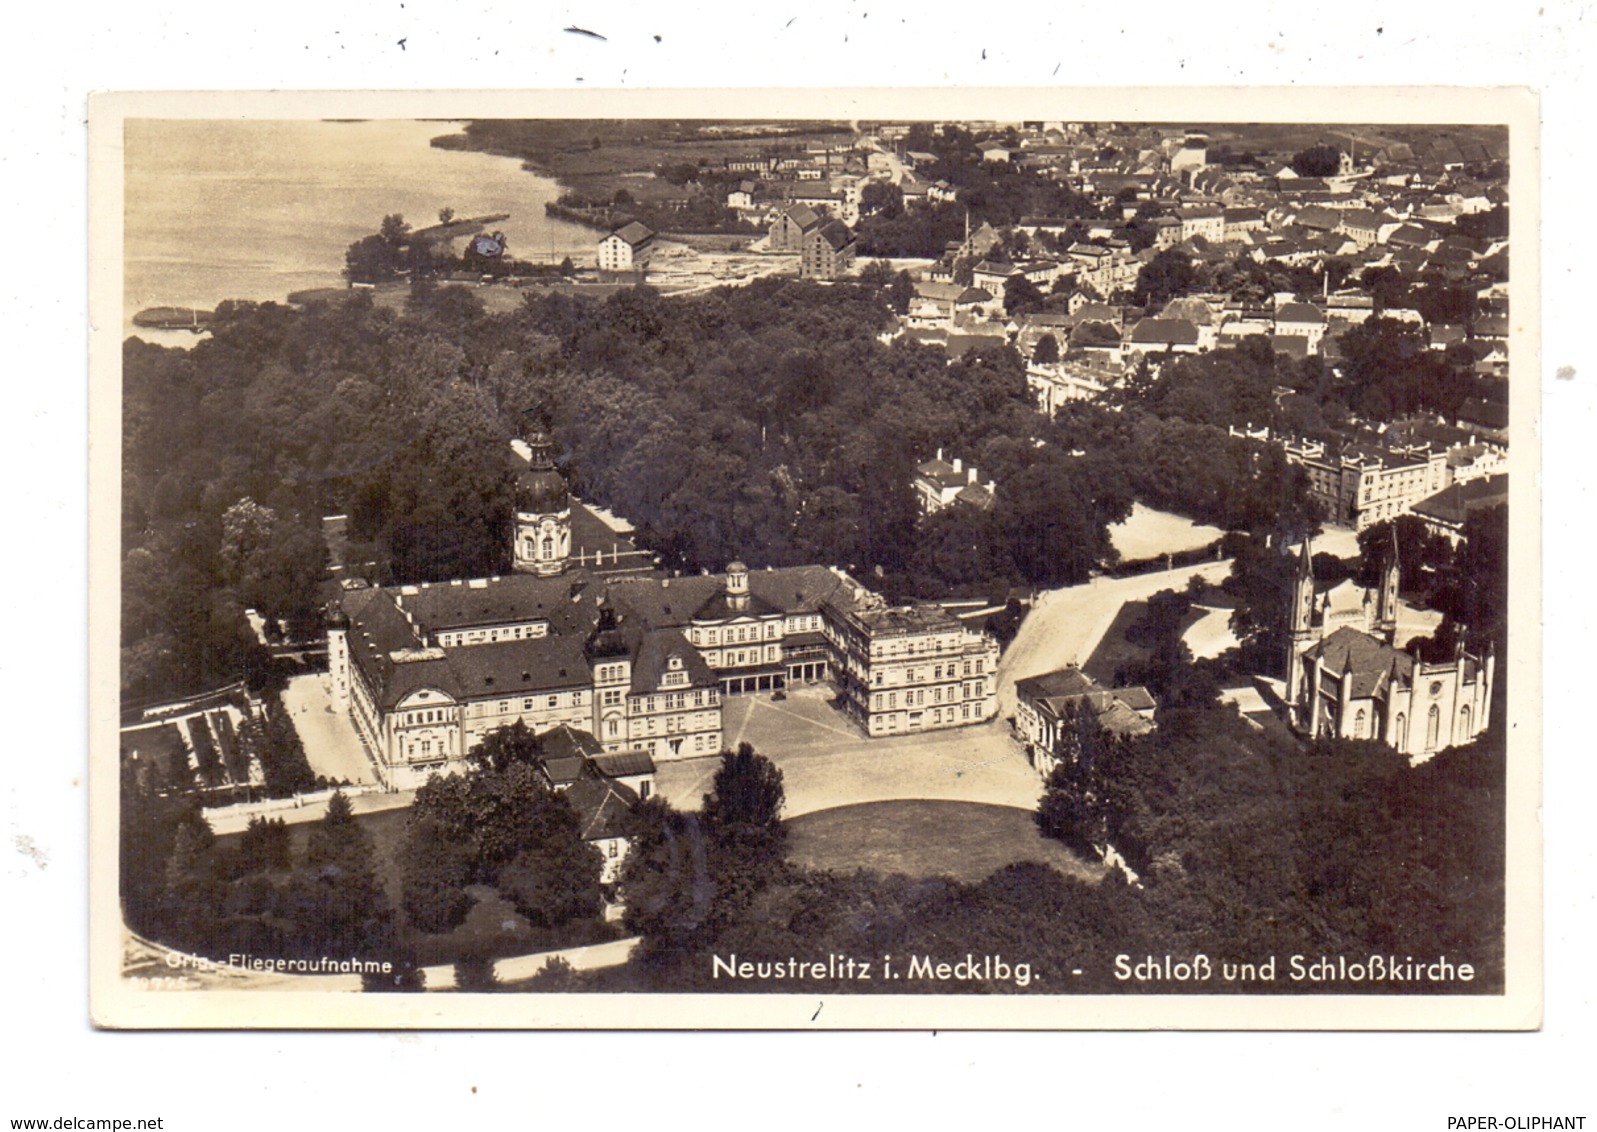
(628, 248)
(583, 637)
(913, 668)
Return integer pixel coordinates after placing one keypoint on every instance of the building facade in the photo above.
(628, 248)
(827, 251)
(1364, 484)
(913, 668)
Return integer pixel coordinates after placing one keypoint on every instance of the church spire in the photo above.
(1300, 630)
(1386, 605)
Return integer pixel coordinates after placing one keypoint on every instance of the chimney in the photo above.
(958, 465)
(971, 477)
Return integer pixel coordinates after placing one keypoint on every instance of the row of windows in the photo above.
(671, 701)
(528, 632)
(916, 697)
(427, 715)
(977, 667)
(735, 634)
(933, 718)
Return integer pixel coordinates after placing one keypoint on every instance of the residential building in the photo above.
(1048, 707)
(1153, 336)
(1446, 512)
(791, 225)
(939, 484)
(1303, 320)
(1202, 220)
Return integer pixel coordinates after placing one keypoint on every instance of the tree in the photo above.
(264, 847)
(743, 811)
(434, 872)
(900, 292)
(1021, 296)
(515, 743)
(394, 230)
(667, 882)
(556, 976)
(445, 215)
(337, 902)
(882, 198)
(1046, 352)
(1168, 275)
(1071, 808)
(338, 838)
(556, 880)
(1317, 161)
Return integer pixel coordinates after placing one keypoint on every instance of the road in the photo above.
(331, 745)
(1066, 624)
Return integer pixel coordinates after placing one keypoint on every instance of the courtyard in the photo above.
(827, 762)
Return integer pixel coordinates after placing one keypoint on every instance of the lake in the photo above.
(229, 209)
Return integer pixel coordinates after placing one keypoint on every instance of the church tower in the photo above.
(1386, 604)
(1300, 631)
(543, 510)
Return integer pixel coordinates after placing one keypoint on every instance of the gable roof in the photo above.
(802, 215)
(634, 233)
(834, 232)
(1452, 505)
(1160, 331)
(604, 807)
(1374, 664)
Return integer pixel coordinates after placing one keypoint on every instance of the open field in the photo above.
(962, 840)
(596, 157)
(1148, 533)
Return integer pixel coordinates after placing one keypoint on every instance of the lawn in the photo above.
(964, 840)
(1149, 533)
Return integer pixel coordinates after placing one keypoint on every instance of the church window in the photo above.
(1358, 724)
(1463, 722)
(1400, 736)
(1433, 727)
(548, 547)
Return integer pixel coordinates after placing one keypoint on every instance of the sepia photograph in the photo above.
(958, 560)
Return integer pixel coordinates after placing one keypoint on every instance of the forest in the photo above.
(768, 422)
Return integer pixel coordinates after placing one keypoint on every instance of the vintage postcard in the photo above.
(1046, 559)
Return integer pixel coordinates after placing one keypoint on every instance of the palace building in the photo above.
(586, 635)
(1346, 677)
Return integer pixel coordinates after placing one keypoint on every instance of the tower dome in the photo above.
(542, 534)
(540, 488)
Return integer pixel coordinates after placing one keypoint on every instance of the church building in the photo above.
(1346, 677)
